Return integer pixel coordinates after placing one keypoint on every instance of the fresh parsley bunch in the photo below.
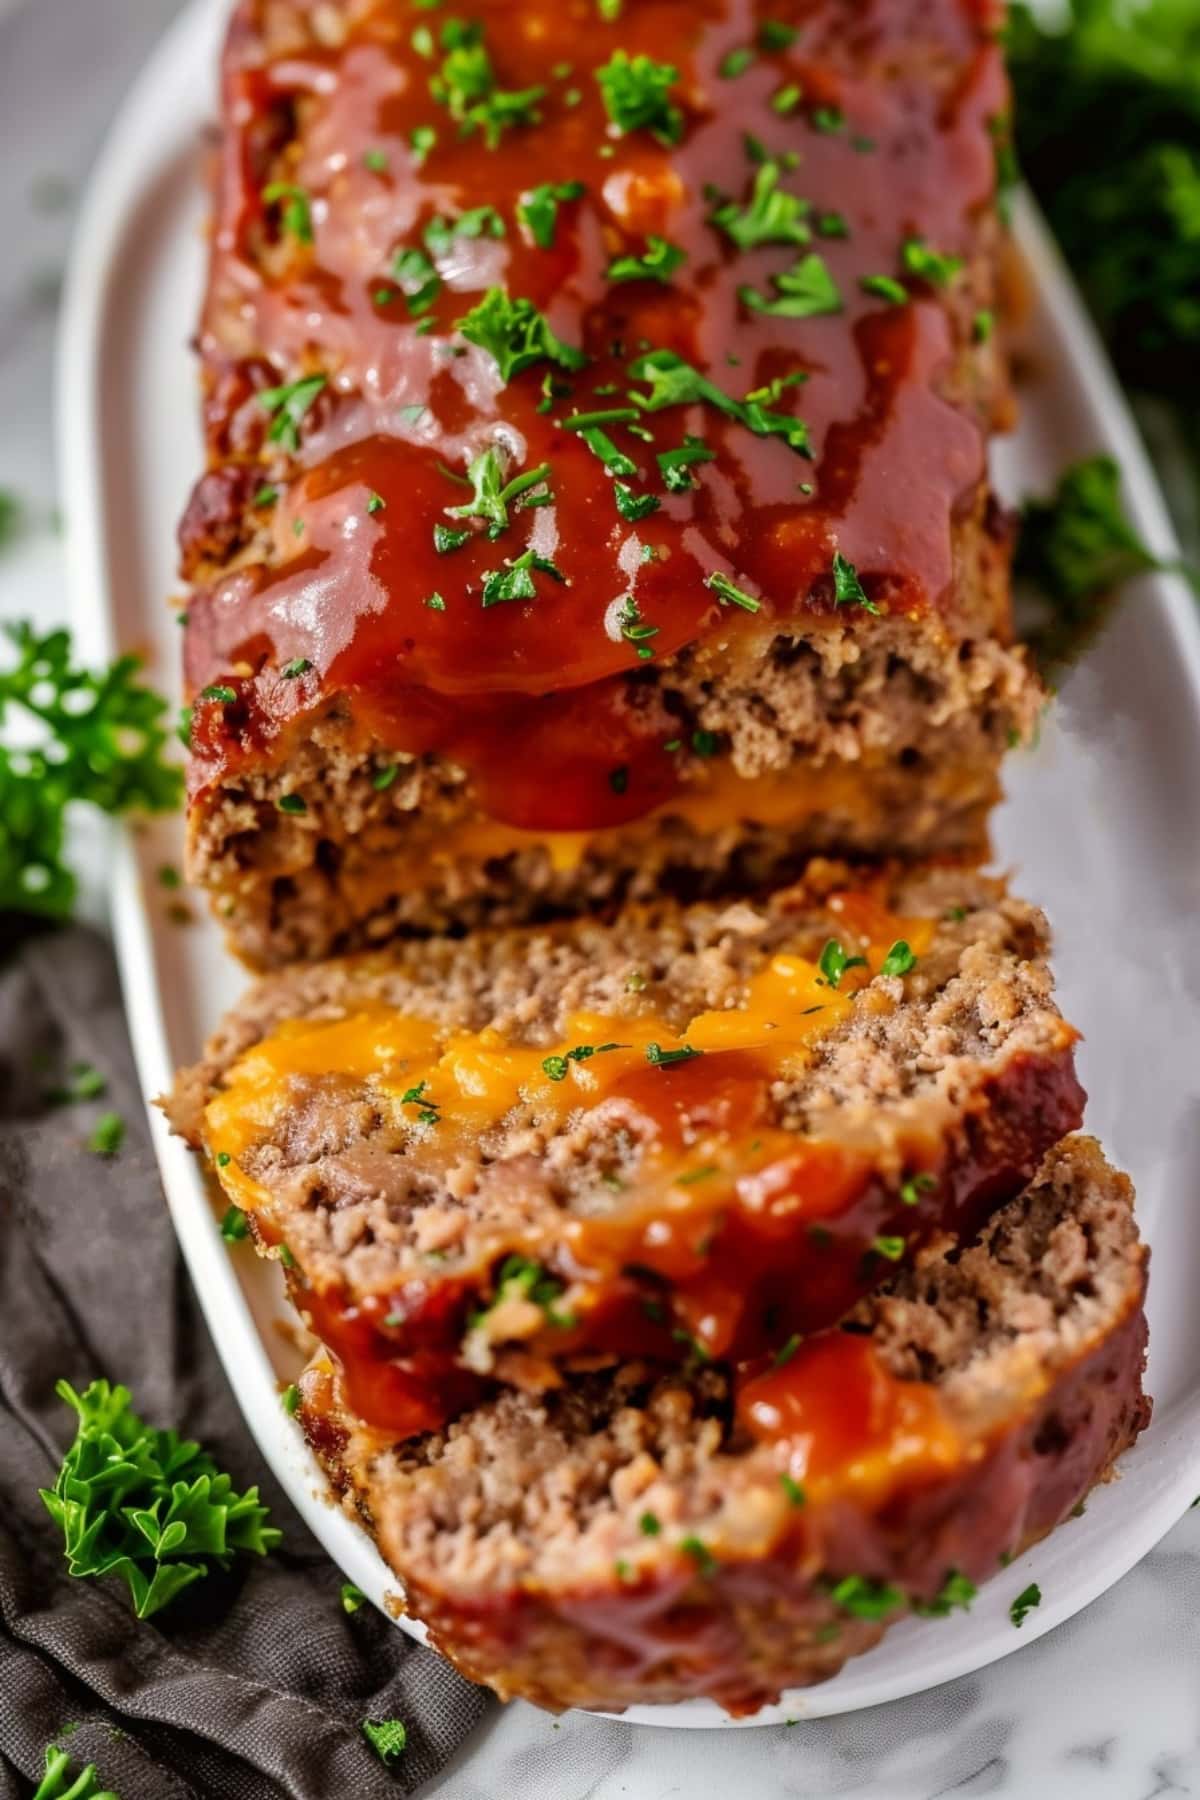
(147, 1505)
(1108, 130)
(59, 1783)
(67, 734)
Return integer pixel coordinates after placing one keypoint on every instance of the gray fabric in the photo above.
(253, 1685)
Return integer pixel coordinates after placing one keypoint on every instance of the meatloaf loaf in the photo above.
(689, 1135)
(642, 1538)
(596, 414)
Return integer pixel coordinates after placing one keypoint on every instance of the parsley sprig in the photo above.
(674, 382)
(145, 1504)
(516, 335)
(492, 495)
(69, 735)
(467, 87)
(635, 90)
(59, 1781)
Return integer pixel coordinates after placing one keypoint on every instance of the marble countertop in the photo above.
(1105, 1708)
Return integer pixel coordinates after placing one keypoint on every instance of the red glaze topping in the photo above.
(874, 118)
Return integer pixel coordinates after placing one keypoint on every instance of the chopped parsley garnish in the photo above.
(289, 1399)
(631, 506)
(691, 1176)
(899, 959)
(848, 590)
(435, 602)
(292, 803)
(929, 265)
(538, 209)
(108, 1134)
(834, 962)
(375, 160)
(829, 119)
(235, 1226)
(146, 1505)
(773, 34)
(884, 287)
(300, 665)
(602, 447)
(430, 1110)
(867, 1599)
(700, 1554)
(649, 1525)
(635, 91)
(466, 86)
(1024, 1604)
(421, 141)
(478, 221)
(955, 1592)
(890, 1248)
(352, 1597)
(805, 291)
(792, 1489)
(916, 1185)
(832, 225)
(516, 335)
(635, 629)
(658, 263)
(735, 63)
(515, 582)
(447, 538)
(786, 1351)
(730, 594)
(520, 1279)
(387, 1738)
(84, 1082)
(417, 279)
(664, 1059)
(295, 210)
(1078, 544)
(492, 495)
(982, 325)
(771, 216)
(705, 743)
(266, 495)
(556, 1067)
(61, 1782)
(676, 465)
(288, 406)
(674, 382)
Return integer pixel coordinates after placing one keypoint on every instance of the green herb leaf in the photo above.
(515, 582)
(929, 265)
(956, 1592)
(466, 86)
(674, 382)
(700, 1554)
(792, 1489)
(867, 1599)
(235, 1226)
(538, 209)
(635, 91)
(899, 959)
(806, 291)
(479, 221)
(1024, 1604)
(676, 465)
(516, 335)
(60, 1782)
(417, 279)
(884, 287)
(145, 1504)
(771, 216)
(352, 1597)
(731, 594)
(848, 590)
(387, 1738)
(916, 1185)
(492, 495)
(665, 1059)
(288, 406)
(735, 63)
(834, 962)
(633, 506)
(891, 1248)
(296, 212)
(658, 263)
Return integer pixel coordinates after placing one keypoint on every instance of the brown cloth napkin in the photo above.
(253, 1685)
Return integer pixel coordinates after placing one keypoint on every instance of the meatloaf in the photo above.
(690, 1135)
(596, 416)
(655, 1538)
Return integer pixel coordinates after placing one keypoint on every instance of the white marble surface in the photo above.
(1105, 1708)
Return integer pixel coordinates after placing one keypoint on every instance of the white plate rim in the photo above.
(119, 177)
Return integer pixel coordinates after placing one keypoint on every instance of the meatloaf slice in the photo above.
(641, 1538)
(567, 539)
(688, 1134)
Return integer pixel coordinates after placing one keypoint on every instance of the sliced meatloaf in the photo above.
(644, 1538)
(689, 1134)
(596, 416)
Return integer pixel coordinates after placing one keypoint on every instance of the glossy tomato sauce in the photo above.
(795, 152)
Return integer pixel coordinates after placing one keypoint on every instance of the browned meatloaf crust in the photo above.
(632, 1540)
(378, 744)
(689, 1134)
